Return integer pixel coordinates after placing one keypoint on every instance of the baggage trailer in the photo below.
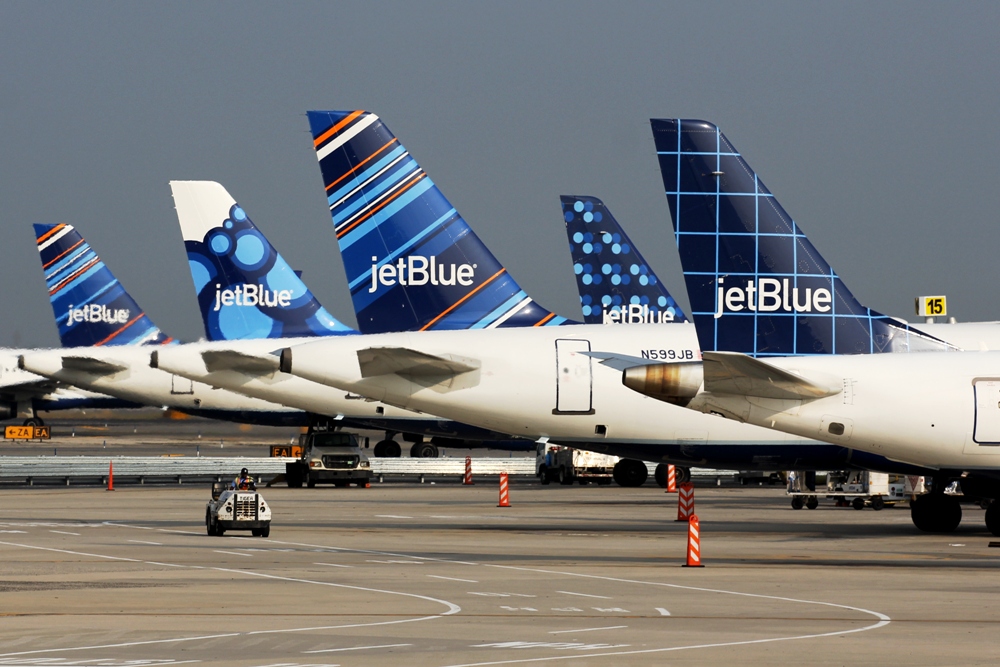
(854, 488)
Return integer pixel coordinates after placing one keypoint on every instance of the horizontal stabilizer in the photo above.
(735, 373)
(91, 365)
(231, 360)
(620, 362)
(402, 361)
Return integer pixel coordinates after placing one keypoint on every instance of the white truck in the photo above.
(232, 509)
(329, 457)
(566, 465)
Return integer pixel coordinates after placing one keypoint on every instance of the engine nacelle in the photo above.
(672, 383)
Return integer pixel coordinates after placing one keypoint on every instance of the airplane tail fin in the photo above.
(615, 282)
(90, 306)
(756, 283)
(245, 289)
(412, 262)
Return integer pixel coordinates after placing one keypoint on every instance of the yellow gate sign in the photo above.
(294, 451)
(26, 433)
(932, 306)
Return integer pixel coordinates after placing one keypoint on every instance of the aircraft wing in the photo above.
(376, 361)
(232, 360)
(91, 365)
(735, 373)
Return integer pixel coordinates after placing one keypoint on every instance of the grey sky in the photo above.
(875, 124)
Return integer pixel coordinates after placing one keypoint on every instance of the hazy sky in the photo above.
(875, 125)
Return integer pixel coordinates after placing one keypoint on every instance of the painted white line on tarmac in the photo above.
(155, 544)
(451, 607)
(663, 612)
(333, 565)
(585, 595)
(608, 627)
(464, 581)
(63, 532)
(232, 553)
(356, 648)
(392, 516)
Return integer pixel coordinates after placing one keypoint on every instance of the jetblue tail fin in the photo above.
(412, 262)
(756, 283)
(245, 289)
(616, 284)
(90, 305)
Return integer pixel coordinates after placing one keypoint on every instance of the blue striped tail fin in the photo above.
(90, 306)
(412, 261)
(756, 283)
(616, 284)
(245, 288)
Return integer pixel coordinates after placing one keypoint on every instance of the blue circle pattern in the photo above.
(235, 254)
(615, 263)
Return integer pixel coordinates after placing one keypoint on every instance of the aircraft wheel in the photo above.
(425, 450)
(392, 449)
(936, 513)
(660, 475)
(630, 473)
(993, 519)
(34, 421)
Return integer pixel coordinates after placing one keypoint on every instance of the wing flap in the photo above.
(92, 365)
(735, 373)
(232, 360)
(405, 362)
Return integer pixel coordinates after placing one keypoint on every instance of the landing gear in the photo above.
(34, 421)
(936, 513)
(993, 518)
(681, 475)
(423, 450)
(629, 472)
(388, 449)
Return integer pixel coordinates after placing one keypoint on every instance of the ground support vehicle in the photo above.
(232, 509)
(567, 465)
(854, 488)
(329, 457)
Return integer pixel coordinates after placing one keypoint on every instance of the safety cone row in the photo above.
(111, 475)
(467, 481)
(504, 497)
(694, 543)
(671, 479)
(685, 501)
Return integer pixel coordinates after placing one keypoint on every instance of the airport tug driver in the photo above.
(244, 482)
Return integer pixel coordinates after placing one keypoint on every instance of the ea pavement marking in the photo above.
(607, 627)
(356, 648)
(452, 608)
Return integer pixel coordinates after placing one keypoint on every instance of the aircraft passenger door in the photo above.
(179, 385)
(574, 378)
(987, 428)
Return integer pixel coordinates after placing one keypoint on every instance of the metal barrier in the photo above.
(91, 469)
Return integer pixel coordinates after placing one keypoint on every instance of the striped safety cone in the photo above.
(671, 479)
(685, 501)
(694, 543)
(111, 475)
(504, 497)
(468, 471)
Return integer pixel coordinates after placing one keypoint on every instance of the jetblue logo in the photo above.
(772, 295)
(416, 270)
(97, 314)
(251, 295)
(635, 313)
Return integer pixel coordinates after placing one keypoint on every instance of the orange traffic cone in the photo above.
(504, 497)
(694, 543)
(111, 475)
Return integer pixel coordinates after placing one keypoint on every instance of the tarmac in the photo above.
(437, 574)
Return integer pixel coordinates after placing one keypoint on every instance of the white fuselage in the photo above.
(533, 383)
(940, 410)
(138, 382)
